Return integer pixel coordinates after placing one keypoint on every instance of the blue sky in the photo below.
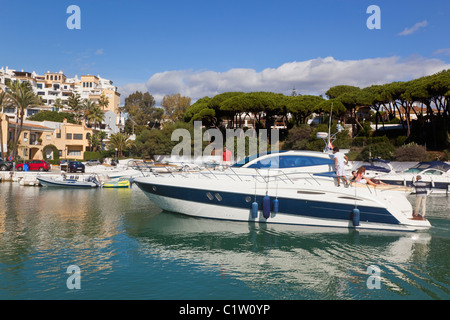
(182, 43)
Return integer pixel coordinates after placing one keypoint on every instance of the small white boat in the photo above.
(71, 182)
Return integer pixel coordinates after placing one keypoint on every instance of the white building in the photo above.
(55, 86)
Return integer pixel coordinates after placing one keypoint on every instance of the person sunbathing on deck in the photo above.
(361, 178)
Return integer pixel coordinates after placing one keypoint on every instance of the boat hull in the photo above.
(120, 184)
(66, 184)
(297, 211)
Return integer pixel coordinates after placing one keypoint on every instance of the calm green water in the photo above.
(126, 248)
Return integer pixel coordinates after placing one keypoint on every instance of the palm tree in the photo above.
(119, 141)
(75, 104)
(22, 97)
(94, 115)
(103, 102)
(58, 104)
(4, 102)
(101, 135)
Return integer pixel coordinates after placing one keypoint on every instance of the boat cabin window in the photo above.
(413, 170)
(432, 172)
(290, 161)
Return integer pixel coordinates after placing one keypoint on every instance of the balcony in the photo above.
(34, 142)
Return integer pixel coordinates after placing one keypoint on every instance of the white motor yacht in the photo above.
(291, 187)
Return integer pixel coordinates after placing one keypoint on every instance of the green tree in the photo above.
(140, 108)
(45, 115)
(58, 105)
(197, 107)
(159, 142)
(298, 137)
(301, 107)
(348, 96)
(121, 142)
(175, 106)
(411, 152)
(75, 104)
(93, 113)
(103, 102)
(383, 150)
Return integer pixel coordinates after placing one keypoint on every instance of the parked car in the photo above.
(35, 165)
(75, 166)
(93, 162)
(6, 165)
(63, 165)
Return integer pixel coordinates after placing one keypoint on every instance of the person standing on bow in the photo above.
(226, 156)
(340, 160)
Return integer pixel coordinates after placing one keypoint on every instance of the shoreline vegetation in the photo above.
(419, 108)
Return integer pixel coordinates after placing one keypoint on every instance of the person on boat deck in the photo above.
(361, 178)
(340, 160)
(421, 198)
(226, 156)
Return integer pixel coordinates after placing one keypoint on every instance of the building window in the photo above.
(58, 135)
(74, 153)
(68, 136)
(77, 136)
(60, 153)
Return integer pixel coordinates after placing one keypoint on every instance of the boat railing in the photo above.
(266, 176)
(276, 176)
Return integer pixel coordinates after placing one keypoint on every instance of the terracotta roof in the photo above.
(31, 126)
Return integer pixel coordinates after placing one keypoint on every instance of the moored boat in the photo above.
(120, 183)
(71, 182)
(293, 187)
(435, 173)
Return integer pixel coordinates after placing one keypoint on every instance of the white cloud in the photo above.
(414, 28)
(313, 76)
(98, 52)
(444, 51)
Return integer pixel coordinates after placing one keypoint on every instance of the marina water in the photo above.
(127, 248)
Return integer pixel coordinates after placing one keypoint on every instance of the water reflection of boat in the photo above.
(310, 257)
(293, 187)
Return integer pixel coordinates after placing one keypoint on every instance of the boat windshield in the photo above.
(432, 172)
(413, 170)
(437, 165)
(290, 161)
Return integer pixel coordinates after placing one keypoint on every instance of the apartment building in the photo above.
(54, 87)
(71, 140)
